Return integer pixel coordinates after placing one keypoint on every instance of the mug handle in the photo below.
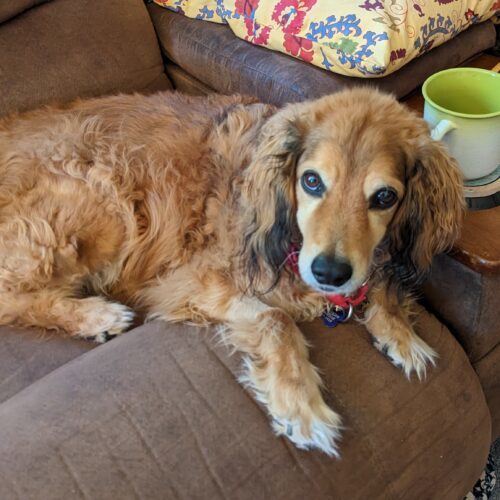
(441, 129)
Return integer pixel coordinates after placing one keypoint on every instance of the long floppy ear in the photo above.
(429, 218)
(269, 194)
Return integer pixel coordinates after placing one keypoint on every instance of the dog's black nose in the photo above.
(329, 271)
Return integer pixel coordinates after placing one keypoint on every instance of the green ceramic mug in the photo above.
(462, 105)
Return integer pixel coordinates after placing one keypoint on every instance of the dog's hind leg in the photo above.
(39, 282)
(92, 318)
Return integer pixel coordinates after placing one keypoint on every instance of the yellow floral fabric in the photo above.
(363, 38)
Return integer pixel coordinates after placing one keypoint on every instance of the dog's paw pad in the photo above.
(384, 350)
(101, 338)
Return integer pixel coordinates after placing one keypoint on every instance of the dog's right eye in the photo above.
(312, 183)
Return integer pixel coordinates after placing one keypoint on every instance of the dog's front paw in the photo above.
(412, 355)
(322, 432)
(296, 405)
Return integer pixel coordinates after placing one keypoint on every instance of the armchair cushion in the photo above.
(28, 355)
(11, 8)
(158, 413)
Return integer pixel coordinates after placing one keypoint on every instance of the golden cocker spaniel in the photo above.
(185, 208)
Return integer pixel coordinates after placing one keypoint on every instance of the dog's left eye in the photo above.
(383, 198)
(312, 183)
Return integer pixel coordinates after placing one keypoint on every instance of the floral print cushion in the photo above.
(363, 38)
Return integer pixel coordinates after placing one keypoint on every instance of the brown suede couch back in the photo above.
(57, 50)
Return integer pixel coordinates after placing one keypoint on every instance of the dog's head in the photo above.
(356, 178)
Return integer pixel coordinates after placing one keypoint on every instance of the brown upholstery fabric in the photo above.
(11, 8)
(468, 303)
(487, 370)
(157, 414)
(65, 49)
(213, 55)
(28, 355)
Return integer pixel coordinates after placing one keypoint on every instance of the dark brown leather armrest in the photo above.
(463, 286)
(479, 245)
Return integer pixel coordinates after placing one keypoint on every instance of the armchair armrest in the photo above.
(463, 288)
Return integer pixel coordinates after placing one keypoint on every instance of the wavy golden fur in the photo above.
(186, 208)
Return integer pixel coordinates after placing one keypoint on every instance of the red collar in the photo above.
(336, 299)
(345, 302)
